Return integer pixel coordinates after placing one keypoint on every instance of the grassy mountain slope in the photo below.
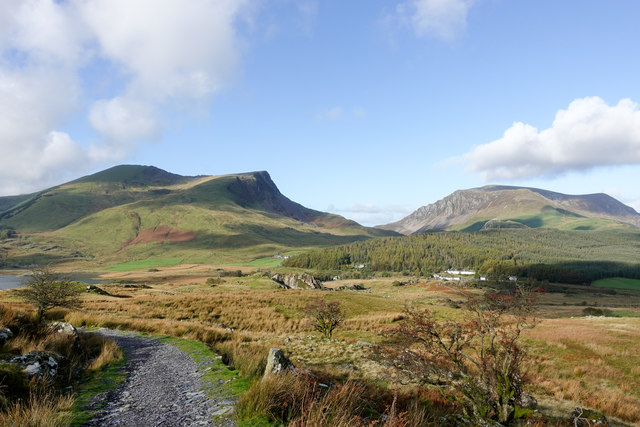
(139, 211)
(514, 207)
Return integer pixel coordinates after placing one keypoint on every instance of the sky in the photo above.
(365, 108)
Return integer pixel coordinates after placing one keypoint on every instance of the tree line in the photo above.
(543, 254)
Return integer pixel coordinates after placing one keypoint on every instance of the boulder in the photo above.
(93, 289)
(5, 335)
(277, 362)
(297, 281)
(63, 328)
(588, 417)
(39, 364)
(354, 287)
(526, 401)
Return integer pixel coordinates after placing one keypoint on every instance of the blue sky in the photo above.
(369, 109)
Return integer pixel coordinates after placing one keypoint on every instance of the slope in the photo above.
(517, 207)
(140, 211)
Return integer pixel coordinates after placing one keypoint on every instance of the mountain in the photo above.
(131, 211)
(500, 206)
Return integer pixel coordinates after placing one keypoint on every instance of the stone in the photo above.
(277, 362)
(63, 328)
(583, 417)
(5, 335)
(39, 363)
(526, 401)
(354, 287)
(93, 289)
(297, 281)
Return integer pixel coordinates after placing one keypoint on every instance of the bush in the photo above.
(45, 290)
(477, 361)
(599, 312)
(325, 316)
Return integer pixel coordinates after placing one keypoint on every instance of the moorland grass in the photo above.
(146, 264)
(587, 361)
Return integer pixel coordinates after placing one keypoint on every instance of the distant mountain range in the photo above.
(499, 206)
(128, 211)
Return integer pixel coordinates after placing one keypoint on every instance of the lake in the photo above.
(10, 281)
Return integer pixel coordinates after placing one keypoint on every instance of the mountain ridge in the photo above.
(127, 210)
(511, 206)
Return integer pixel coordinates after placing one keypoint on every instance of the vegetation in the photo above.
(152, 262)
(325, 316)
(477, 361)
(43, 401)
(45, 290)
(617, 283)
(556, 256)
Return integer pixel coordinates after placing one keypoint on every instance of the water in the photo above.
(10, 281)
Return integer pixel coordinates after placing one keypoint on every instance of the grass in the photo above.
(99, 381)
(581, 360)
(213, 369)
(266, 262)
(146, 264)
(617, 283)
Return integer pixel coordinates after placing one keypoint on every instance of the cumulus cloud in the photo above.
(444, 19)
(587, 135)
(157, 53)
(123, 120)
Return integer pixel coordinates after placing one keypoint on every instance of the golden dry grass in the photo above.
(589, 361)
(48, 410)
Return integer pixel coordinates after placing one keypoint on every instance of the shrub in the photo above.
(477, 361)
(45, 290)
(325, 316)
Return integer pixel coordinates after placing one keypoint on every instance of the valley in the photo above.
(193, 258)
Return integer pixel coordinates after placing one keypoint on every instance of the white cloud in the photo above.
(369, 214)
(444, 19)
(588, 134)
(165, 53)
(334, 113)
(123, 120)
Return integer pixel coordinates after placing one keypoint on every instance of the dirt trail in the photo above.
(163, 388)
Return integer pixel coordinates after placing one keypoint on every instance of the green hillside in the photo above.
(136, 212)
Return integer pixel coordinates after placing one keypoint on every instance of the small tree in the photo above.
(45, 290)
(477, 361)
(325, 316)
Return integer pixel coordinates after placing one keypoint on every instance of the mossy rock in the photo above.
(588, 417)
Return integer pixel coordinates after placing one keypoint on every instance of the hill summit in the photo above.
(125, 211)
(501, 206)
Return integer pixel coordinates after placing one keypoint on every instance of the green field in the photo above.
(617, 283)
(146, 263)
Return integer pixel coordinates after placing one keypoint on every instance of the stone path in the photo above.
(163, 388)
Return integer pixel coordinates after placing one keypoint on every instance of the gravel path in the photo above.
(163, 388)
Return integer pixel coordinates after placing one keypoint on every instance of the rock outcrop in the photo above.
(277, 362)
(297, 281)
(63, 328)
(354, 287)
(588, 417)
(39, 363)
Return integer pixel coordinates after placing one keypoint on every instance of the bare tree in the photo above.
(325, 316)
(45, 290)
(476, 361)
